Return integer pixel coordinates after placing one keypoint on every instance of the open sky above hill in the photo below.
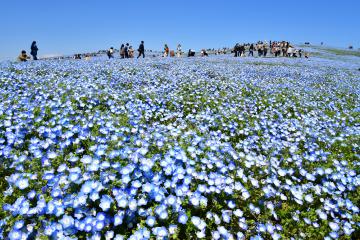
(67, 27)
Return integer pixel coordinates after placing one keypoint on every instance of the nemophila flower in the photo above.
(19, 224)
(86, 159)
(105, 202)
(334, 226)
(198, 222)
(67, 221)
(182, 218)
(118, 218)
(51, 155)
(122, 202)
(150, 221)
(15, 235)
(22, 183)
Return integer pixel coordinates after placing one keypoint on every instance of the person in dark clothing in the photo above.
(191, 53)
(260, 50)
(251, 50)
(110, 53)
(141, 49)
(300, 53)
(236, 50)
(126, 50)
(242, 50)
(122, 52)
(34, 50)
(265, 50)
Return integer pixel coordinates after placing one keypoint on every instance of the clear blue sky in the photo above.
(70, 26)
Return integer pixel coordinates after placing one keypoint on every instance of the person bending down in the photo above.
(23, 57)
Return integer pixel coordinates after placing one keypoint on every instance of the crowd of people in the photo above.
(277, 49)
(127, 51)
(263, 49)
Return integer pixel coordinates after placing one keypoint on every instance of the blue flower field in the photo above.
(180, 148)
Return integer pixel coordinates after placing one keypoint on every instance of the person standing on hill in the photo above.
(166, 50)
(122, 51)
(265, 50)
(178, 50)
(34, 50)
(141, 49)
(126, 50)
(236, 50)
(110, 53)
(251, 50)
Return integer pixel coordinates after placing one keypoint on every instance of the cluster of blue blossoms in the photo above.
(212, 148)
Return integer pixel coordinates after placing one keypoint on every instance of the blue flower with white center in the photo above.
(334, 226)
(15, 235)
(122, 202)
(182, 218)
(150, 221)
(74, 176)
(22, 183)
(231, 204)
(94, 196)
(105, 202)
(19, 224)
(67, 221)
(52, 155)
(118, 218)
(86, 188)
(86, 159)
(322, 215)
(99, 225)
(200, 224)
(133, 204)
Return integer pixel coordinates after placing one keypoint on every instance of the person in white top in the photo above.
(290, 51)
(178, 51)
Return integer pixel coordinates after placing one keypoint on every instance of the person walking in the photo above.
(141, 49)
(34, 50)
(122, 51)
